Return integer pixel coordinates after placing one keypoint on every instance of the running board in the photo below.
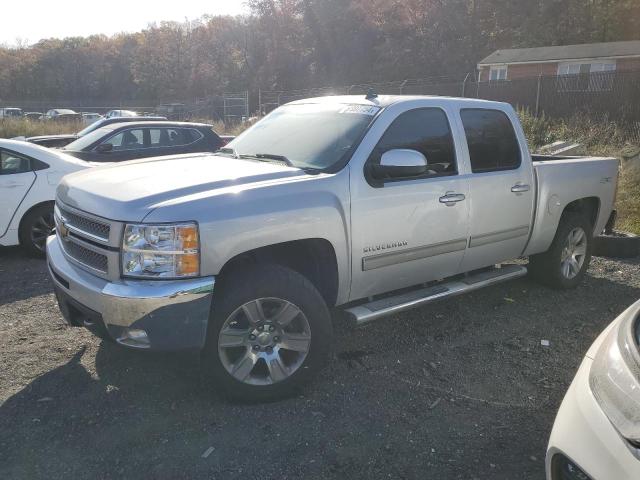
(375, 309)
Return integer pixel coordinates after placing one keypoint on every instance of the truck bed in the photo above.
(559, 180)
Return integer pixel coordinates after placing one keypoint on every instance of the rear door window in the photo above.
(173, 137)
(492, 142)
(11, 163)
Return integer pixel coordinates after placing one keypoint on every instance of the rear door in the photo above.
(16, 178)
(500, 186)
(174, 140)
(403, 231)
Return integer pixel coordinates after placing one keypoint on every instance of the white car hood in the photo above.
(129, 191)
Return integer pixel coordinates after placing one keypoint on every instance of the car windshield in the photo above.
(310, 135)
(85, 140)
(90, 128)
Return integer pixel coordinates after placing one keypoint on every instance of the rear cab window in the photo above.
(491, 139)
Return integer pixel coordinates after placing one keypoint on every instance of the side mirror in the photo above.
(104, 148)
(400, 163)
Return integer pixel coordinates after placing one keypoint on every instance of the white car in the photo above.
(596, 435)
(88, 118)
(121, 113)
(57, 112)
(29, 175)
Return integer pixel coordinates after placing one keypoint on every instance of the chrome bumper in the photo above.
(173, 314)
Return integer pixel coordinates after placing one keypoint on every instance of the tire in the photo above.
(242, 354)
(617, 245)
(550, 268)
(34, 229)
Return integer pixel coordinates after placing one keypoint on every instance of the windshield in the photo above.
(91, 127)
(307, 135)
(86, 140)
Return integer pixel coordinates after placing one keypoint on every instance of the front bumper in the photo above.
(173, 314)
(584, 434)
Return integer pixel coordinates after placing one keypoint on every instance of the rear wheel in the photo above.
(35, 227)
(270, 333)
(567, 260)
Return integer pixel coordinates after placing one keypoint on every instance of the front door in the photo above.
(410, 230)
(501, 188)
(16, 178)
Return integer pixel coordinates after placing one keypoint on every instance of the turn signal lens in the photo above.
(187, 265)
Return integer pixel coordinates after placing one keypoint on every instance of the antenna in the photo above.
(371, 94)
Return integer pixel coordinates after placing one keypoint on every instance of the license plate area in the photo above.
(78, 315)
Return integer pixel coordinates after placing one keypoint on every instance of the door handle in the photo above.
(451, 198)
(13, 185)
(520, 188)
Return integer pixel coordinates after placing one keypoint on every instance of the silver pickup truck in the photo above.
(369, 204)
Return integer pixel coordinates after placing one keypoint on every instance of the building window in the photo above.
(586, 76)
(498, 73)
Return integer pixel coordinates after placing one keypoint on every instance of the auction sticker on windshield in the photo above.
(361, 109)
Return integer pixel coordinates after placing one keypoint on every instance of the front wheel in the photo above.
(567, 260)
(269, 334)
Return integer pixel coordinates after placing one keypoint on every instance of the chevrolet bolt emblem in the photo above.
(63, 230)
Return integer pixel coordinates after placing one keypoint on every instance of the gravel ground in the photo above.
(460, 389)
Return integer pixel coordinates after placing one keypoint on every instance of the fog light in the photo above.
(132, 337)
(563, 468)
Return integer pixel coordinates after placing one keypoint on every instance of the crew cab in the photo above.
(371, 205)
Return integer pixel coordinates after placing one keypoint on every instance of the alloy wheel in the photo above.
(573, 253)
(41, 228)
(264, 341)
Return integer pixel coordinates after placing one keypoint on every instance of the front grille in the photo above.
(86, 225)
(86, 257)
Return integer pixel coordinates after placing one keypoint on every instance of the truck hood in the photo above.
(129, 191)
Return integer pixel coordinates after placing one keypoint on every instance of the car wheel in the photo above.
(567, 260)
(269, 333)
(34, 229)
(617, 245)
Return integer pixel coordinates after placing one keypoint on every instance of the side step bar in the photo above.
(375, 309)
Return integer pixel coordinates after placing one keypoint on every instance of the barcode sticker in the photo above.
(360, 109)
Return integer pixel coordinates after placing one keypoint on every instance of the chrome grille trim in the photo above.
(85, 226)
(96, 251)
(84, 256)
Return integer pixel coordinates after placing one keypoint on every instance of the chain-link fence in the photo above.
(228, 107)
(613, 94)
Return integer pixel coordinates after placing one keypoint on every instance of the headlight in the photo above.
(161, 251)
(615, 375)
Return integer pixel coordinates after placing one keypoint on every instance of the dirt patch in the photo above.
(460, 389)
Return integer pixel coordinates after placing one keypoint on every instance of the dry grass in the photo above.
(10, 128)
(628, 203)
(598, 136)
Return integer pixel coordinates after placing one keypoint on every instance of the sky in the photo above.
(28, 21)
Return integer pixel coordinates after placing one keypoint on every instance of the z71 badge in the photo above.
(385, 246)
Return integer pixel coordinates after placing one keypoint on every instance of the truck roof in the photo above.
(386, 100)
